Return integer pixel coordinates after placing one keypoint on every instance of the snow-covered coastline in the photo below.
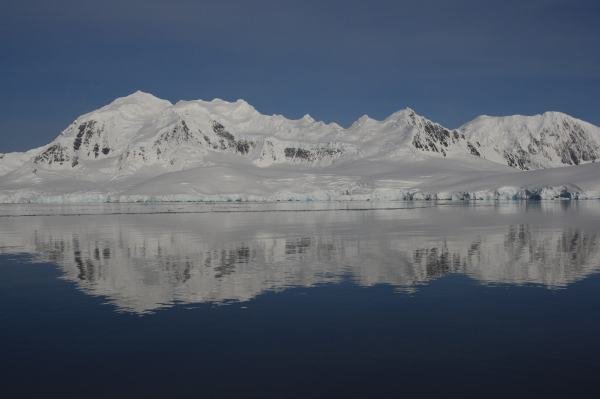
(143, 149)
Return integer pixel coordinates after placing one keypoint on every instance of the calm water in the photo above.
(301, 300)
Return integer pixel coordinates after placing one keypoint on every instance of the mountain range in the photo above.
(142, 148)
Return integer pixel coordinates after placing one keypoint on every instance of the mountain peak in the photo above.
(557, 115)
(138, 97)
(308, 118)
(140, 93)
(403, 114)
(362, 121)
(547, 115)
(136, 103)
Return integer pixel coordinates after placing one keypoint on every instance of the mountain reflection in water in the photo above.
(143, 262)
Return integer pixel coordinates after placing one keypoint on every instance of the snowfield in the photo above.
(141, 148)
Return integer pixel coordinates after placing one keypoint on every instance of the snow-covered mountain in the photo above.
(534, 142)
(140, 147)
(141, 130)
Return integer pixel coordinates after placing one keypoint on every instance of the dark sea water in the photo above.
(301, 300)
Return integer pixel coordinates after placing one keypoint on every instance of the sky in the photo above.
(336, 60)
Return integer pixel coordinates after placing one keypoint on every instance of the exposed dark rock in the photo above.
(221, 132)
(179, 134)
(308, 155)
(85, 133)
(227, 140)
(54, 154)
(321, 152)
(473, 150)
(577, 148)
(77, 142)
(435, 138)
(437, 133)
(243, 146)
(137, 153)
(291, 152)
(518, 159)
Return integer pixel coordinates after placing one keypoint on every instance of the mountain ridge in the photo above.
(140, 137)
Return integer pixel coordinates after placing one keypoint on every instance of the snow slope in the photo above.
(142, 148)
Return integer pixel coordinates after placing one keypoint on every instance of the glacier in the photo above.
(140, 148)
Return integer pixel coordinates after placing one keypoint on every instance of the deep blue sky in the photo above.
(449, 59)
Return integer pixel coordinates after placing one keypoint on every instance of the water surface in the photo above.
(301, 300)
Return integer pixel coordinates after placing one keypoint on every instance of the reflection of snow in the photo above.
(144, 262)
